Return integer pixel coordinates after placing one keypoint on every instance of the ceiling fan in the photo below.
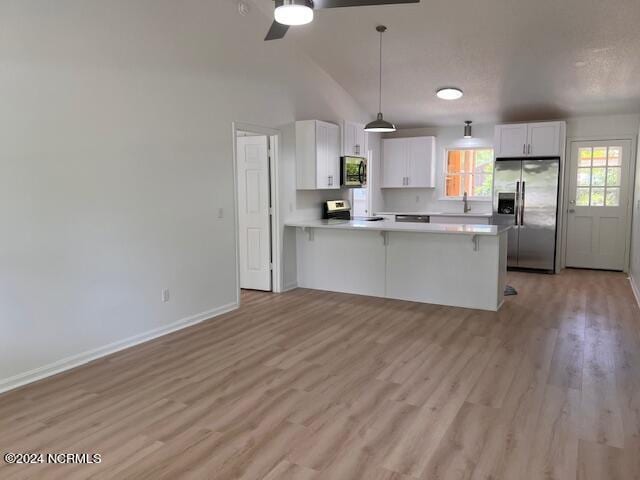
(300, 12)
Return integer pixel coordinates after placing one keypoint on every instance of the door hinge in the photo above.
(270, 265)
(270, 210)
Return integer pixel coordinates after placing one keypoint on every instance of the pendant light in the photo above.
(380, 125)
(467, 129)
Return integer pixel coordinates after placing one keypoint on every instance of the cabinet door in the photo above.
(322, 156)
(420, 164)
(544, 139)
(353, 139)
(511, 140)
(333, 156)
(348, 138)
(394, 162)
(360, 147)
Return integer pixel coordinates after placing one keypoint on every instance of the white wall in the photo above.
(115, 156)
(635, 236)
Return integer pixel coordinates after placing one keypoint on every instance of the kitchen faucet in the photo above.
(465, 202)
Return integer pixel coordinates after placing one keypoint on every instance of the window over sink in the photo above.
(469, 170)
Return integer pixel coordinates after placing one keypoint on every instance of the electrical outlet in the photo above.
(165, 295)
(290, 207)
(221, 213)
(417, 198)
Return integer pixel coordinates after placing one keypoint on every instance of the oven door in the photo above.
(354, 172)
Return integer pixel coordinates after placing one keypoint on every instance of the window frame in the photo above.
(445, 162)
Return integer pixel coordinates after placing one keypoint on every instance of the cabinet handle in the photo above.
(524, 149)
(357, 149)
(407, 181)
(529, 150)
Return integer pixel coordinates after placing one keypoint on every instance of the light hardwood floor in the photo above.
(323, 386)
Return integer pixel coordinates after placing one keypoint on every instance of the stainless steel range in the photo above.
(341, 210)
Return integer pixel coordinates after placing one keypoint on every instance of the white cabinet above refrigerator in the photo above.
(520, 140)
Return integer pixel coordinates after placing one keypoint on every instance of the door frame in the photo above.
(566, 185)
(369, 157)
(274, 154)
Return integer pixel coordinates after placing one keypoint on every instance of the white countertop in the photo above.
(440, 214)
(387, 226)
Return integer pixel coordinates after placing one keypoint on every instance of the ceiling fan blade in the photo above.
(317, 4)
(277, 31)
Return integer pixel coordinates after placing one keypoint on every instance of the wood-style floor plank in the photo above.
(312, 385)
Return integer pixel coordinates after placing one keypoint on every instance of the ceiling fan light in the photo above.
(449, 93)
(294, 12)
(380, 125)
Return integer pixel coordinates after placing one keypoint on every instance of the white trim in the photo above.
(74, 361)
(635, 289)
(443, 176)
(276, 241)
(289, 286)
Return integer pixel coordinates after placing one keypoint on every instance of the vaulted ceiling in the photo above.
(514, 59)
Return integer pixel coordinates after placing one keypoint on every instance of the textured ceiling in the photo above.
(514, 59)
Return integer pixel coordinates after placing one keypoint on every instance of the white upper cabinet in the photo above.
(354, 139)
(394, 163)
(408, 162)
(421, 162)
(317, 155)
(543, 139)
(511, 140)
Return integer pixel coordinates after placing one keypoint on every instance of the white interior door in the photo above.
(253, 213)
(597, 220)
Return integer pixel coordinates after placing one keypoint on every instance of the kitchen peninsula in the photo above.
(446, 264)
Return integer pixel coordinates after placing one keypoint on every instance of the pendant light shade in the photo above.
(380, 125)
(467, 129)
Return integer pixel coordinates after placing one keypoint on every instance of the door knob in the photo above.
(572, 210)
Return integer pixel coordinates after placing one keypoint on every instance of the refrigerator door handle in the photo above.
(522, 204)
(517, 201)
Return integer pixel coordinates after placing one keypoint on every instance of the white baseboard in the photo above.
(635, 288)
(289, 286)
(86, 357)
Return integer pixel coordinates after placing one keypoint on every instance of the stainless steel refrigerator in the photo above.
(525, 195)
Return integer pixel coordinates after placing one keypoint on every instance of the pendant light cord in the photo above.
(380, 83)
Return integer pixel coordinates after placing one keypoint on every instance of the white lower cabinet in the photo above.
(466, 220)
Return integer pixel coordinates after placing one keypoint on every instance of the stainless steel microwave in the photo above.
(353, 173)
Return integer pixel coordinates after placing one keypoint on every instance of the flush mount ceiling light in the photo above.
(467, 129)
(380, 125)
(449, 93)
(294, 12)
